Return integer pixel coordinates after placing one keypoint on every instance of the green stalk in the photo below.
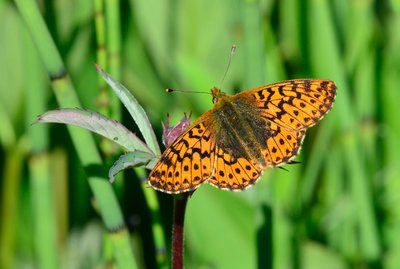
(108, 104)
(114, 49)
(100, 26)
(10, 201)
(41, 182)
(101, 56)
(14, 154)
(43, 211)
(83, 141)
(156, 225)
(59, 171)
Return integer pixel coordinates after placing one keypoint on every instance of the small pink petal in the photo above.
(170, 134)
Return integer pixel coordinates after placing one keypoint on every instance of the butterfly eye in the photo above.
(217, 94)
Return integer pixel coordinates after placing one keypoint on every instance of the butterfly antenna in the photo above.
(233, 50)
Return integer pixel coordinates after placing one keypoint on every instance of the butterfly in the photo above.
(230, 145)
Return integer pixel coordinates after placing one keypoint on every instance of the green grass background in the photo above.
(339, 208)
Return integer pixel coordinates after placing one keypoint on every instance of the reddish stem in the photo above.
(180, 202)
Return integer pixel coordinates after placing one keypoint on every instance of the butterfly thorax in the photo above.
(237, 128)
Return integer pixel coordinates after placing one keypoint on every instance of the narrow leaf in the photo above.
(130, 159)
(96, 123)
(135, 109)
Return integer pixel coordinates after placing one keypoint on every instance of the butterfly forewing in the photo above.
(293, 104)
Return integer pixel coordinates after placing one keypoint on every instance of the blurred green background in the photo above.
(339, 208)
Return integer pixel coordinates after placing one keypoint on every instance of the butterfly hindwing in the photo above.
(234, 174)
(187, 162)
(283, 145)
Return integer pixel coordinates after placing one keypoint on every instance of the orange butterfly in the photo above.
(230, 145)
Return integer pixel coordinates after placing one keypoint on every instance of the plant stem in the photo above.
(180, 202)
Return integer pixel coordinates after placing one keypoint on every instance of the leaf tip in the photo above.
(98, 68)
(39, 119)
(111, 178)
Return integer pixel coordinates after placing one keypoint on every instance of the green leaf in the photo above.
(130, 159)
(135, 109)
(96, 123)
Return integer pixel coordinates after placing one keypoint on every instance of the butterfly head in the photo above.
(217, 94)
